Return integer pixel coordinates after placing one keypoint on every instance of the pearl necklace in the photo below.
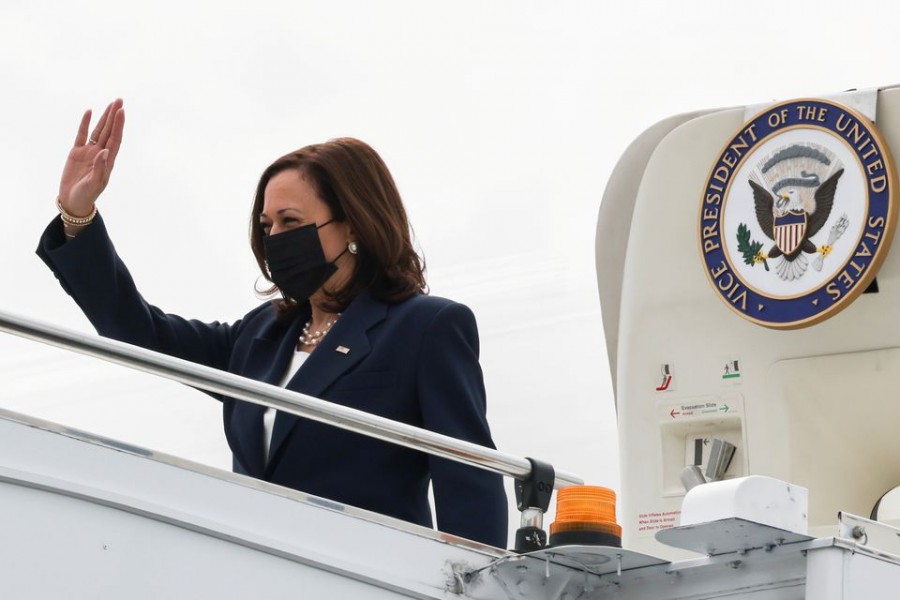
(313, 339)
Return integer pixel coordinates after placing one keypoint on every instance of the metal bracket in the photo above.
(872, 534)
(533, 496)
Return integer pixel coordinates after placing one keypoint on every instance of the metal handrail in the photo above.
(264, 394)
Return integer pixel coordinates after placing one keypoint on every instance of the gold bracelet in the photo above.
(73, 220)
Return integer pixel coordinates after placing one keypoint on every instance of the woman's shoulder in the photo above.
(426, 303)
(425, 309)
(264, 316)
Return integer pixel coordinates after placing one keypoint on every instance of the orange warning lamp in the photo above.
(585, 514)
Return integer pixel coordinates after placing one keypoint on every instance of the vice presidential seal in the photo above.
(798, 213)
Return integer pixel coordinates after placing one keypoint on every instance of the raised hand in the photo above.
(91, 160)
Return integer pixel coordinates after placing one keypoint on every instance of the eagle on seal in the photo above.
(798, 206)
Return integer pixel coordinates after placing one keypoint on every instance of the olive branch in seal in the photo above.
(751, 250)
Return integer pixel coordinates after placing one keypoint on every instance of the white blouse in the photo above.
(269, 417)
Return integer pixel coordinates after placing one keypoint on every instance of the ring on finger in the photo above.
(92, 141)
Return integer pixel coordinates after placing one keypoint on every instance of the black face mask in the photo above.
(297, 262)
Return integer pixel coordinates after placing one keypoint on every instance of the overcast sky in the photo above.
(501, 122)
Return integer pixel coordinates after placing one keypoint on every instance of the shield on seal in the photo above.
(790, 230)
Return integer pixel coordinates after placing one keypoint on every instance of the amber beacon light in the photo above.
(586, 514)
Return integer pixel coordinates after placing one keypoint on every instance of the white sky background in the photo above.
(501, 122)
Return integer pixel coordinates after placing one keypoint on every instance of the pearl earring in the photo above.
(353, 248)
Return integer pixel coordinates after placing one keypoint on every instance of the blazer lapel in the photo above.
(344, 346)
(269, 356)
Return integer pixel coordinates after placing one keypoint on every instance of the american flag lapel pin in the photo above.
(343, 349)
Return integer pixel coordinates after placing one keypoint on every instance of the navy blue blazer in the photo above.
(415, 362)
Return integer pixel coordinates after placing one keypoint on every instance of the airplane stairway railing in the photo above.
(535, 479)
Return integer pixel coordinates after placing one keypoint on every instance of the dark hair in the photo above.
(354, 182)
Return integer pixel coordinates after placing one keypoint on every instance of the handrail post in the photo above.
(533, 495)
